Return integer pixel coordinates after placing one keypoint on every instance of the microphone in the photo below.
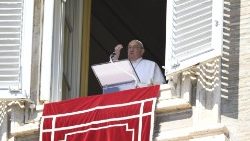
(113, 54)
(111, 57)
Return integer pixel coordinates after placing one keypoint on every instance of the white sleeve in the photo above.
(158, 77)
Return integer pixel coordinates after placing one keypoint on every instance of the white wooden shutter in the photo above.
(193, 32)
(16, 26)
(10, 42)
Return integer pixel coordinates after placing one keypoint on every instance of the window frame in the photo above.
(53, 50)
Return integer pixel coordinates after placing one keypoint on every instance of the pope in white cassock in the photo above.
(148, 71)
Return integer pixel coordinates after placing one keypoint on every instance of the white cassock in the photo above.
(148, 72)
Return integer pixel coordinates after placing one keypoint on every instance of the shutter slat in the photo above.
(10, 42)
(10, 23)
(9, 60)
(7, 5)
(9, 65)
(10, 29)
(9, 53)
(9, 47)
(11, 11)
(10, 35)
(11, 0)
(9, 77)
(9, 72)
(10, 17)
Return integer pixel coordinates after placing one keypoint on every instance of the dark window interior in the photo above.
(119, 21)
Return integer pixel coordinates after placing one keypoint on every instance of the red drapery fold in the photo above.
(120, 116)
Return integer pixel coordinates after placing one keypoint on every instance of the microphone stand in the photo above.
(111, 56)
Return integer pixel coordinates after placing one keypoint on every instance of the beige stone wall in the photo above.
(36, 50)
(235, 97)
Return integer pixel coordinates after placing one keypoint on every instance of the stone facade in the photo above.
(220, 95)
(210, 102)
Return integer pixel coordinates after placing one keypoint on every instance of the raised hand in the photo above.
(117, 51)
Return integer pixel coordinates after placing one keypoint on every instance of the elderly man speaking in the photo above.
(148, 71)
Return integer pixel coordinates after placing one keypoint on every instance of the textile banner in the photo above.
(120, 116)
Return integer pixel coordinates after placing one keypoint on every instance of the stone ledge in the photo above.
(166, 102)
(193, 133)
(172, 105)
(25, 129)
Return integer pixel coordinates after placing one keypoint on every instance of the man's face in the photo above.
(135, 51)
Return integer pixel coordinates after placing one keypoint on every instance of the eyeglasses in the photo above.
(135, 47)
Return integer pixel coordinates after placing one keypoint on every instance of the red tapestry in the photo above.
(120, 116)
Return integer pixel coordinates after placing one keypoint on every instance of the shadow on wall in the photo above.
(230, 59)
(209, 73)
(208, 84)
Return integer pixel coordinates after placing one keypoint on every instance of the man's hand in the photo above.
(117, 51)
